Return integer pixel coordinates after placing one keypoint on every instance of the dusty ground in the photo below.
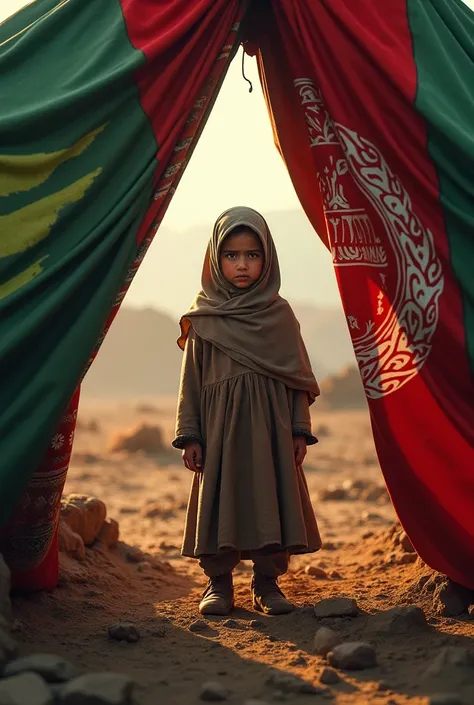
(160, 591)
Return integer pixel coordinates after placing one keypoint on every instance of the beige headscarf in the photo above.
(254, 326)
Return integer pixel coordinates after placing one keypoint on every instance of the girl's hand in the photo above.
(299, 446)
(192, 457)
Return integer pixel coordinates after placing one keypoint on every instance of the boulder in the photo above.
(353, 656)
(53, 669)
(324, 641)
(83, 514)
(98, 689)
(25, 689)
(336, 607)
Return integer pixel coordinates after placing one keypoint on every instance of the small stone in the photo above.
(98, 689)
(214, 692)
(353, 656)
(124, 631)
(334, 575)
(25, 689)
(371, 516)
(230, 624)
(407, 558)
(324, 641)
(399, 620)
(405, 543)
(134, 554)
(382, 687)
(336, 607)
(333, 493)
(144, 567)
(298, 661)
(109, 533)
(367, 535)
(329, 546)
(53, 669)
(451, 599)
(70, 543)
(288, 683)
(256, 624)
(445, 699)
(329, 677)
(198, 626)
(316, 572)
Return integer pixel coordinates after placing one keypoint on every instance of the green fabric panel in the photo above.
(77, 159)
(443, 45)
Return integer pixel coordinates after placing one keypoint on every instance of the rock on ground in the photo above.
(144, 438)
(290, 684)
(109, 533)
(124, 631)
(453, 664)
(98, 689)
(85, 515)
(336, 607)
(214, 692)
(329, 677)
(398, 620)
(70, 543)
(451, 599)
(316, 572)
(353, 656)
(53, 669)
(25, 689)
(198, 626)
(324, 641)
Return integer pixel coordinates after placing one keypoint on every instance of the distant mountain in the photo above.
(344, 390)
(327, 338)
(140, 357)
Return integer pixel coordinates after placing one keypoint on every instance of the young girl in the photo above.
(243, 419)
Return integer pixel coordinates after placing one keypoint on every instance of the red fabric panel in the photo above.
(349, 70)
(186, 44)
(29, 542)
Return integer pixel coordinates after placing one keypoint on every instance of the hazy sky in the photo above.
(234, 163)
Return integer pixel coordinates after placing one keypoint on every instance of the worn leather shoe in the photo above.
(218, 597)
(267, 596)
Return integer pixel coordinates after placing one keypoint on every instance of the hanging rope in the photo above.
(243, 72)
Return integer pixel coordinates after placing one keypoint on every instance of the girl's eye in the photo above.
(230, 255)
(254, 255)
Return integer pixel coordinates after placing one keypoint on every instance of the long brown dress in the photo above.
(250, 496)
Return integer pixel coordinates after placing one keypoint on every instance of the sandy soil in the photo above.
(152, 586)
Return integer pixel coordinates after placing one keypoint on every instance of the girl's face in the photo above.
(241, 259)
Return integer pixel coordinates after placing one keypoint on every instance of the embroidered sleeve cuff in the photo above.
(310, 439)
(180, 442)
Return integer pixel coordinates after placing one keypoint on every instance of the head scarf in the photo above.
(254, 326)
